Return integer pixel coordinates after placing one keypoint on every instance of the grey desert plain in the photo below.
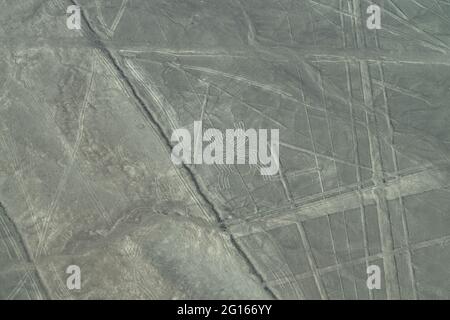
(88, 188)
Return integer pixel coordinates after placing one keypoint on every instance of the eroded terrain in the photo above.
(86, 176)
